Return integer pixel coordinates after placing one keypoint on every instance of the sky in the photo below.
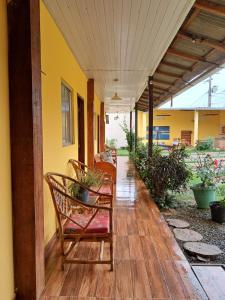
(197, 96)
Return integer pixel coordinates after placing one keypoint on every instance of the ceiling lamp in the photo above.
(116, 97)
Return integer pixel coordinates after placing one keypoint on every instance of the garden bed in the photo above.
(200, 221)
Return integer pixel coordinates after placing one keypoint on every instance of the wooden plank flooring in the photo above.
(212, 279)
(148, 262)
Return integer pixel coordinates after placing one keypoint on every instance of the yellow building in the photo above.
(60, 73)
(52, 110)
(189, 125)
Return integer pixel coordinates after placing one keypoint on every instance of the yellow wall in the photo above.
(142, 125)
(58, 63)
(177, 120)
(209, 126)
(6, 247)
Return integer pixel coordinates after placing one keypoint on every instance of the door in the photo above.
(98, 133)
(186, 137)
(81, 133)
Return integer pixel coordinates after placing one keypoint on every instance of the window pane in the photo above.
(67, 115)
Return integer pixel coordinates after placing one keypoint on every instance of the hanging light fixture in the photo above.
(115, 96)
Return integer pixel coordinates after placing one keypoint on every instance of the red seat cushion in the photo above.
(105, 189)
(100, 223)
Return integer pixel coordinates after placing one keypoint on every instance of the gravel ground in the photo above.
(200, 221)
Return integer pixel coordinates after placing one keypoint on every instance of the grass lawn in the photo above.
(122, 152)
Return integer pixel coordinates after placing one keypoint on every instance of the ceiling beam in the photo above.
(145, 100)
(184, 55)
(162, 82)
(200, 40)
(210, 7)
(173, 75)
(145, 93)
(160, 89)
(175, 65)
(190, 19)
(144, 97)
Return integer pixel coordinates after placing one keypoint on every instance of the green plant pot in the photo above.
(203, 196)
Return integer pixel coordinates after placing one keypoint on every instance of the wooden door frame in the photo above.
(81, 152)
(98, 133)
(102, 127)
(90, 121)
(26, 147)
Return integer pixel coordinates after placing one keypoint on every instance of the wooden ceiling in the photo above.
(123, 39)
(197, 49)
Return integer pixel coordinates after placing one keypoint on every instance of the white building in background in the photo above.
(113, 129)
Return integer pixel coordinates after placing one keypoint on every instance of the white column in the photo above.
(196, 121)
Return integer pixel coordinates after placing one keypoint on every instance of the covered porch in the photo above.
(148, 261)
(65, 65)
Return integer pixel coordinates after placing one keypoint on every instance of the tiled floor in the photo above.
(148, 262)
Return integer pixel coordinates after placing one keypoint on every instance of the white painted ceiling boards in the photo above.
(123, 39)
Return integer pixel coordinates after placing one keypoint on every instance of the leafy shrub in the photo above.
(205, 144)
(130, 136)
(220, 194)
(140, 158)
(162, 174)
(168, 174)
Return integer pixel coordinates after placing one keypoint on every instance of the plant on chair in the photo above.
(86, 180)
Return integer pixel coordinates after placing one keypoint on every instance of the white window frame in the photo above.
(67, 116)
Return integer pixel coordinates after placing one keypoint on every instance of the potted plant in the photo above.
(90, 179)
(210, 173)
(218, 207)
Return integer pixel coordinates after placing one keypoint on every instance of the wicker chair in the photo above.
(105, 166)
(106, 185)
(80, 221)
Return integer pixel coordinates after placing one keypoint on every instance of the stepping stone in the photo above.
(187, 235)
(178, 223)
(203, 259)
(202, 249)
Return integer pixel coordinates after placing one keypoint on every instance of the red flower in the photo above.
(216, 163)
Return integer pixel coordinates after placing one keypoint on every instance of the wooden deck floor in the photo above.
(148, 262)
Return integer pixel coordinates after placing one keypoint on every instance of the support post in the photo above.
(102, 127)
(136, 126)
(131, 145)
(210, 92)
(150, 115)
(26, 146)
(196, 122)
(171, 101)
(90, 121)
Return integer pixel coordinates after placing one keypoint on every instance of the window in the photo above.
(67, 115)
(160, 133)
